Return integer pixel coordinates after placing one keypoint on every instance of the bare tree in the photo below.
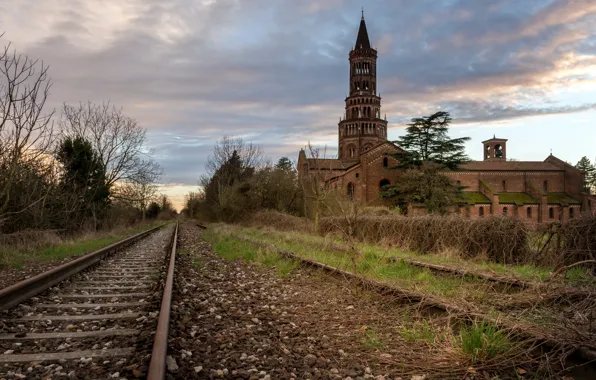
(315, 186)
(141, 189)
(251, 155)
(118, 140)
(323, 198)
(25, 130)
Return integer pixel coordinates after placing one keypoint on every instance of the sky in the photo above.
(275, 72)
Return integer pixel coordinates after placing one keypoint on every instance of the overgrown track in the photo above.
(523, 331)
(98, 323)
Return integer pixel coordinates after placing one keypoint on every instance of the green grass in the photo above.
(483, 341)
(579, 276)
(523, 272)
(370, 338)
(18, 259)
(233, 249)
(371, 264)
(420, 331)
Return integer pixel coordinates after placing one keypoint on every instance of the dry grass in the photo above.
(501, 239)
(21, 248)
(568, 243)
(279, 221)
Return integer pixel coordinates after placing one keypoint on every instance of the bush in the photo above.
(568, 243)
(278, 220)
(29, 240)
(502, 239)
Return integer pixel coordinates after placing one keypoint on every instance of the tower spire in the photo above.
(362, 41)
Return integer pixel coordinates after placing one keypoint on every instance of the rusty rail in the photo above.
(23, 290)
(585, 351)
(157, 365)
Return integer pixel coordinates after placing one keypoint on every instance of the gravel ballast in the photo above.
(238, 320)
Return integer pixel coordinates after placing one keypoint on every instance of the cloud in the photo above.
(276, 71)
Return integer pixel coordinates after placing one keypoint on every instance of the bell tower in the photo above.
(495, 149)
(361, 127)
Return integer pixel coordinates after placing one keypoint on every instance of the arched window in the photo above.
(352, 152)
(551, 213)
(499, 151)
(529, 212)
(504, 185)
(481, 211)
(571, 213)
(545, 186)
(351, 190)
(384, 182)
(505, 210)
(385, 162)
(488, 153)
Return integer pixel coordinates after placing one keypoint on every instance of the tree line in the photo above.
(86, 166)
(239, 181)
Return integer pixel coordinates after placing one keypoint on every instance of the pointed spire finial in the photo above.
(494, 136)
(363, 13)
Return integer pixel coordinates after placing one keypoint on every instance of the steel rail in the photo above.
(157, 365)
(585, 351)
(23, 290)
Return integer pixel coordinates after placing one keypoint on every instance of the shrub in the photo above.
(568, 243)
(502, 239)
(279, 220)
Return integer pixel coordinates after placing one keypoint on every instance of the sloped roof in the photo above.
(562, 199)
(329, 164)
(517, 198)
(509, 165)
(472, 197)
(362, 41)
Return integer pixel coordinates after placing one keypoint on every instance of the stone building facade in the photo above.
(535, 191)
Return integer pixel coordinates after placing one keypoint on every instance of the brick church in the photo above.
(535, 191)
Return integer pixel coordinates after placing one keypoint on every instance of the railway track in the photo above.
(102, 316)
(586, 351)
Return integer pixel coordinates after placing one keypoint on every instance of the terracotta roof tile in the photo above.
(329, 164)
(509, 165)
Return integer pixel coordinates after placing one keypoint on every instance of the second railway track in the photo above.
(98, 324)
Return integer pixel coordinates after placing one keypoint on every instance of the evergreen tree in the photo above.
(285, 164)
(426, 140)
(429, 151)
(153, 210)
(585, 166)
(84, 176)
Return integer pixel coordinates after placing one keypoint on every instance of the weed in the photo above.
(18, 257)
(483, 341)
(579, 276)
(370, 338)
(197, 262)
(233, 249)
(420, 331)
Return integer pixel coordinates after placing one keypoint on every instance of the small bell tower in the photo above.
(495, 149)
